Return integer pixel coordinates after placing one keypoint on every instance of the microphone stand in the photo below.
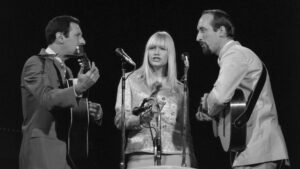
(123, 122)
(123, 126)
(157, 141)
(185, 113)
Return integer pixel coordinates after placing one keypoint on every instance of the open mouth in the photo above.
(156, 59)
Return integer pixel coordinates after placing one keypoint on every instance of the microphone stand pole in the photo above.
(123, 126)
(157, 141)
(185, 114)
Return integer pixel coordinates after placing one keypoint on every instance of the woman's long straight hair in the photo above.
(164, 39)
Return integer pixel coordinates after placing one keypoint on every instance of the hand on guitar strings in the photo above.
(202, 114)
(86, 80)
(95, 110)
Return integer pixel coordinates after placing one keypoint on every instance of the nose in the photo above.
(156, 50)
(82, 41)
(199, 36)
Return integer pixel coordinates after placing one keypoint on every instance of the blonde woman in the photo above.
(154, 85)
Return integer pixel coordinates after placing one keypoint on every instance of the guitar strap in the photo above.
(43, 59)
(244, 117)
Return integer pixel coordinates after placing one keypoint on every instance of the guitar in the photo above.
(78, 135)
(232, 136)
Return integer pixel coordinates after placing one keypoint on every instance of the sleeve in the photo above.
(37, 81)
(233, 68)
(132, 122)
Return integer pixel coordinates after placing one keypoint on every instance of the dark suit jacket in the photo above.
(45, 102)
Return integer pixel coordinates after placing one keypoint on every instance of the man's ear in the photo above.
(59, 37)
(222, 31)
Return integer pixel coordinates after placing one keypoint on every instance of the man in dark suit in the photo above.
(46, 98)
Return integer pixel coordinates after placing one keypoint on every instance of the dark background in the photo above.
(269, 27)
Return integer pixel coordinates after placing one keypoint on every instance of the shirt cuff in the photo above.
(80, 96)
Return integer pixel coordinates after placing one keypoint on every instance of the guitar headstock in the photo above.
(83, 60)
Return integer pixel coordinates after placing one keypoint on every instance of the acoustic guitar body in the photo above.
(233, 138)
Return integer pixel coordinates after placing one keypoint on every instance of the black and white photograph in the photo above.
(157, 84)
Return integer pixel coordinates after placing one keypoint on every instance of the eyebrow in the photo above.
(157, 44)
(199, 27)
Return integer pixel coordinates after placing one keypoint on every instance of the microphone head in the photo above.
(185, 58)
(121, 52)
(124, 56)
(184, 55)
(118, 50)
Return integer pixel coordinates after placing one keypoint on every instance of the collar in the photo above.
(51, 52)
(228, 45)
(225, 47)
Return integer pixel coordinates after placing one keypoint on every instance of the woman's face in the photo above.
(157, 55)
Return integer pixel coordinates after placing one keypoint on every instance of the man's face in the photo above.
(73, 40)
(206, 36)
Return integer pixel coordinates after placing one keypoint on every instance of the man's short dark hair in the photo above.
(59, 24)
(221, 18)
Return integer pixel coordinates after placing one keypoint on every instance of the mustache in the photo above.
(202, 43)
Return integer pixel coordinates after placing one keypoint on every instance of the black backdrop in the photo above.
(269, 27)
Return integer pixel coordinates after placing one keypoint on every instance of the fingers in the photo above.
(94, 77)
(95, 106)
(95, 110)
(87, 80)
(205, 117)
(93, 69)
(204, 101)
(80, 71)
(93, 73)
(197, 115)
(202, 116)
(146, 116)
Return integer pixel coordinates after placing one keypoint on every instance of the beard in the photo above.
(205, 49)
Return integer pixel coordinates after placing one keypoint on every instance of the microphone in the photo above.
(185, 58)
(121, 53)
(138, 110)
